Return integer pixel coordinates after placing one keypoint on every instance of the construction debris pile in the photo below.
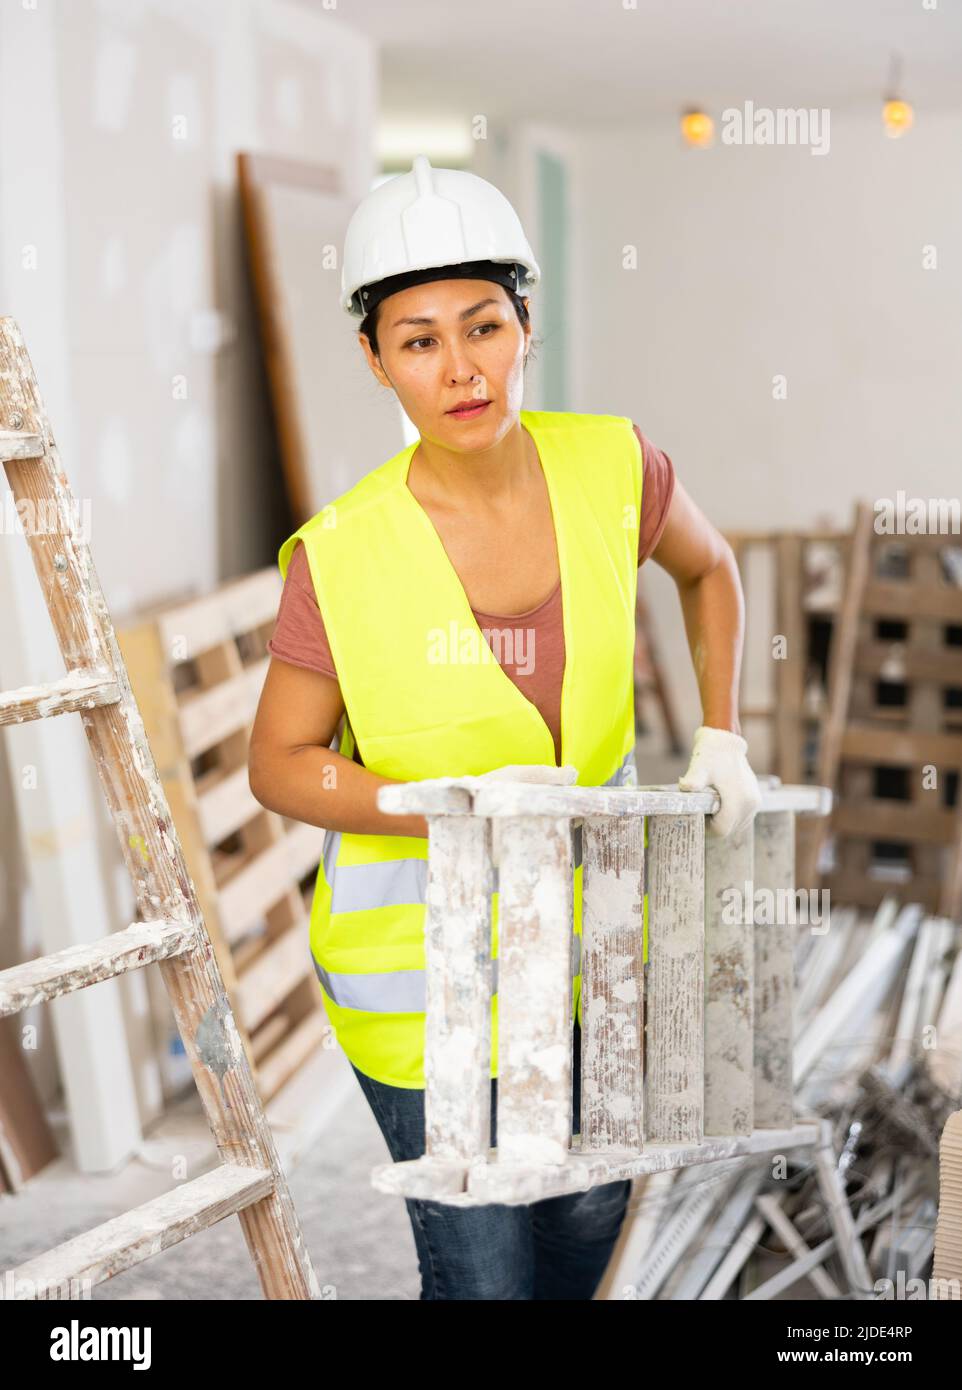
(878, 1056)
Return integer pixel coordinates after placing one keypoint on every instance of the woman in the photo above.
(468, 607)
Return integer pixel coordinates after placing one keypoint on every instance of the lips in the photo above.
(469, 411)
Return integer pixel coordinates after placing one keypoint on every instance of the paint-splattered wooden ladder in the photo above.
(714, 1079)
(250, 1180)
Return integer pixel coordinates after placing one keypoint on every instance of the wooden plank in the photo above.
(771, 1209)
(947, 1264)
(729, 984)
(78, 690)
(208, 716)
(774, 973)
(841, 1022)
(908, 1032)
(77, 967)
(909, 661)
(457, 944)
(535, 920)
(27, 1139)
(268, 1036)
(192, 628)
(885, 819)
(515, 1184)
(220, 804)
(900, 599)
(944, 1061)
(950, 898)
(148, 666)
(868, 1217)
(246, 897)
(675, 1060)
(294, 1050)
(844, 642)
(862, 891)
(451, 795)
(99, 1254)
(271, 977)
(790, 671)
(612, 983)
(925, 704)
(225, 802)
(19, 444)
(901, 747)
(847, 1244)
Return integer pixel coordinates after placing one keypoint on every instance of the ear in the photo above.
(373, 361)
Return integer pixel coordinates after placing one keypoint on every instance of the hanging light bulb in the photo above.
(697, 128)
(897, 114)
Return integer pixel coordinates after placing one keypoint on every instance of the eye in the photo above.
(492, 326)
(418, 340)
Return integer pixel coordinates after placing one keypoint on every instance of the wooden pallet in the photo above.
(801, 572)
(197, 669)
(792, 581)
(894, 710)
(650, 678)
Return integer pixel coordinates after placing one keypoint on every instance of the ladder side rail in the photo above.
(148, 838)
(729, 983)
(612, 983)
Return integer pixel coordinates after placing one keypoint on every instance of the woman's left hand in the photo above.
(719, 759)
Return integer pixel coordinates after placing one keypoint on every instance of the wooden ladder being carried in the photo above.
(249, 1180)
(686, 1060)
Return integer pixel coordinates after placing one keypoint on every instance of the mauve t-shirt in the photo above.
(299, 636)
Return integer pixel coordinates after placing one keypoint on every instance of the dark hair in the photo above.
(369, 323)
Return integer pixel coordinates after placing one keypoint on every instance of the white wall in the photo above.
(759, 260)
(122, 259)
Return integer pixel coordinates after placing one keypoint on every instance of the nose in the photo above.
(459, 364)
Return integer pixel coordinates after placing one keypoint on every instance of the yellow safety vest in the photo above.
(423, 700)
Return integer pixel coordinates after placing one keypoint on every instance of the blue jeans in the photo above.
(556, 1248)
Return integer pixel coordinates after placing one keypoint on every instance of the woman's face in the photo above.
(449, 341)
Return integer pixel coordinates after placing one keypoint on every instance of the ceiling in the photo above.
(600, 62)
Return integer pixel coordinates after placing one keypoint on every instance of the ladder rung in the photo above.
(15, 444)
(78, 690)
(461, 1183)
(135, 1235)
(62, 972)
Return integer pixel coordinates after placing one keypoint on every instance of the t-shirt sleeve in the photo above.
(658, 484)
(299, 636)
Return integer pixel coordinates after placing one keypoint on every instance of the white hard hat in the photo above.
(432, 219)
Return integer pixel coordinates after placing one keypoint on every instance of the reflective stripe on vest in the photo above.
(399, 991)
(393, 882)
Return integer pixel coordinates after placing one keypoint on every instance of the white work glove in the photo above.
(719, 759)
(565, 776)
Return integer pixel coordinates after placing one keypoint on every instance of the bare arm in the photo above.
(702, 564)
(293, 769)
